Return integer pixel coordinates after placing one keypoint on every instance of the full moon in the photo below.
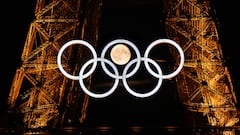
(120, 54)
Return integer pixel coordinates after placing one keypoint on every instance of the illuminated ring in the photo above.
(127, 43)
(72, 42)
(153, 91)
(109, 92)
(171, 42)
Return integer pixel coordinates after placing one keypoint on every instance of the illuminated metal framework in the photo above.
(204, 85)
(46, 98)
(39, 90)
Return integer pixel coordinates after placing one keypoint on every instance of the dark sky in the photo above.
(228, 35)
(17, 16)
(141, 25)
(15, 23)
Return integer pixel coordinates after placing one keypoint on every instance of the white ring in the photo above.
(127, 43)
(153, 91)
(72, 42)
(171, 42)
(109, 92)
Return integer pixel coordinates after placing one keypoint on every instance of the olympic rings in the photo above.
(125, 74)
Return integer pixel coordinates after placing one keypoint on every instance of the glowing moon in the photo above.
(120, 54)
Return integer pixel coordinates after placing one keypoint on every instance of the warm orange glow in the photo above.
(120, 54)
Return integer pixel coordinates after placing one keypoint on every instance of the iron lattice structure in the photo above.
(204, 85)
(45, 97)
(39, 90)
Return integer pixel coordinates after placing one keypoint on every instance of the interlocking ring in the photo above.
(91, 93)
(114, 42)
(148, 93)
(73, 42)
(125, 73)
(170, 42)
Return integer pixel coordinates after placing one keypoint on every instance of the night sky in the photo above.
(15, 22)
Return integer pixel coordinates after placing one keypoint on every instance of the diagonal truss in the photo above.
(39, 90)
(204, 85)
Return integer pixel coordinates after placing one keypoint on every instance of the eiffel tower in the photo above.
(43, 97)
